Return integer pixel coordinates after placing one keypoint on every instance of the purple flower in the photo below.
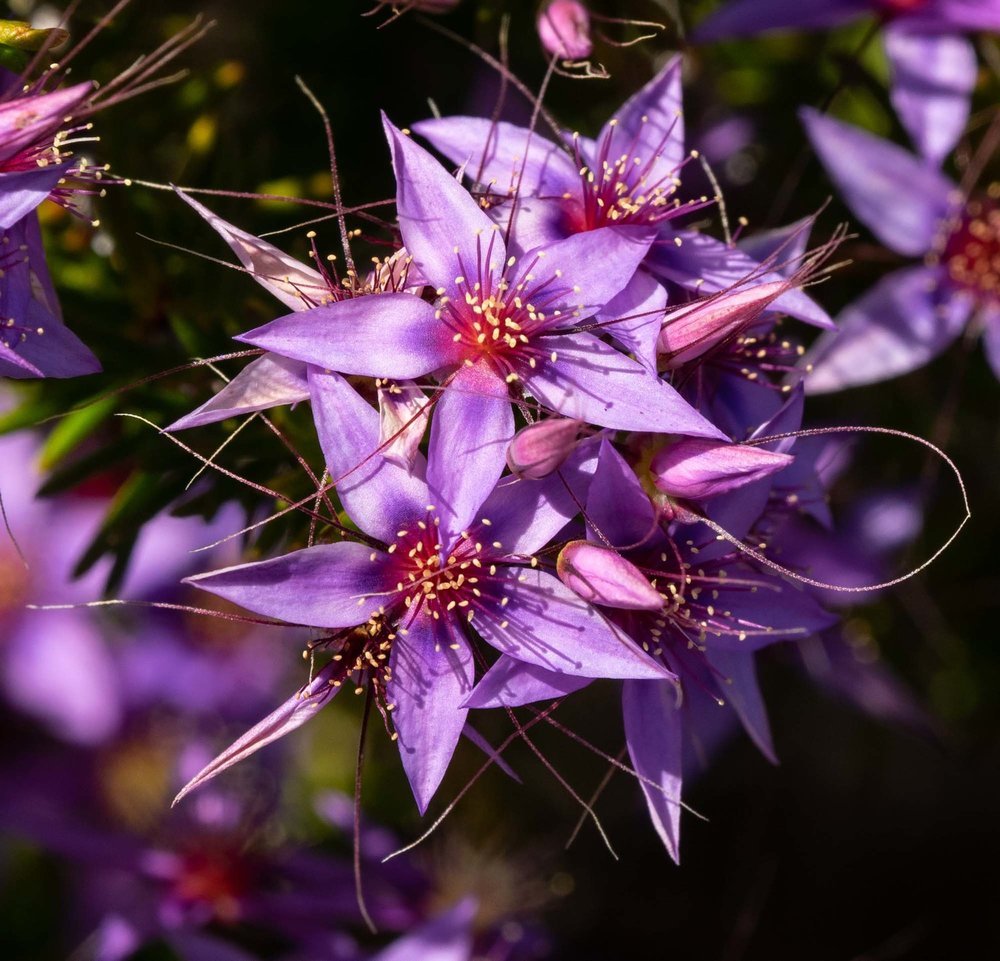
(912, 314)
(628, 177)
(933, 68)
(502, 328)
(401, 608)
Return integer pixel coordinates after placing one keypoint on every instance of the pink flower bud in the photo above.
(602, 576)
(689, 333)
(564, 29)
(539, 449)
(695, 468)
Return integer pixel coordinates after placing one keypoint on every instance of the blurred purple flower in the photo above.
(933, 68)
(912, 314)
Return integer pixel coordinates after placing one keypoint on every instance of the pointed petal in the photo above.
(653, 735)
(652, 120)
(471, 734)
(22, 191)
(472, 425)
(320, 586)
(507, 157)
(432, 675)
(932, 80)
(744, 18)
(297, 286)
(898, 196)
(904, 321)
(526, 515)
(512, 683)
(379, 335)
(739, 688)
(442, 226)
(593, 382)
(447, 937)
(695, 468)
(291, 715)
(706, 266)
(379, 496)
(634, 316)
(617, 506)
(269, 381)
(546, 624)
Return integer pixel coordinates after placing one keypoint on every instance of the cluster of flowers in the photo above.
(562, 444)
(603, 472)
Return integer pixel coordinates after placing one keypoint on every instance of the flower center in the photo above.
(213, 877)
(14, 581)
(899, 7)
(622, 187)
(971, 254)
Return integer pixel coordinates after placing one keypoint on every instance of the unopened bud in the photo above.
(602, 576)
(22, 36)
(692, 331)
(694, 468)
(564, 29)
(542, 448)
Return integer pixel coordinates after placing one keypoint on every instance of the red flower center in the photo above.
(972, 251)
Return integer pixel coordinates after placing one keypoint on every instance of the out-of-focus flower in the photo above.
(913, 314)
(933, 66)
(564, 29)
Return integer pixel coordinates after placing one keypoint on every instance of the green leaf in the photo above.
(73, 429)
(22, 36)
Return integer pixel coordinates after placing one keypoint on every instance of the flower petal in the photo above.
(442, 226)
(650, 124)
(591, 381)
(617, 506)
(379, 335)
(507, 157)
(472, 425)
(513, 683)
(297, 286)
(23, 190)
(432, 675)
(740, 689)
(28, 119)
(292, 714)
(653, 735)
(329, 585)
(904, 321)
(696, 468)
(898, 196)
(932, 81)
(634, 316)
(269, 381)
(379, 496)
(546, 624)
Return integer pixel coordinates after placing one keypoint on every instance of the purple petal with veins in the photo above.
(739, 687)
(392, 335)
(379, 496)
(291, 715)
(329, 585)
(297, 286)
(442, 225)
(546, 624)
(513, 683)
(588, 380)
(653, 735)
(432, 675)
(269, 381)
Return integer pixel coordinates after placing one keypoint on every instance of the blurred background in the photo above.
(875, 838)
